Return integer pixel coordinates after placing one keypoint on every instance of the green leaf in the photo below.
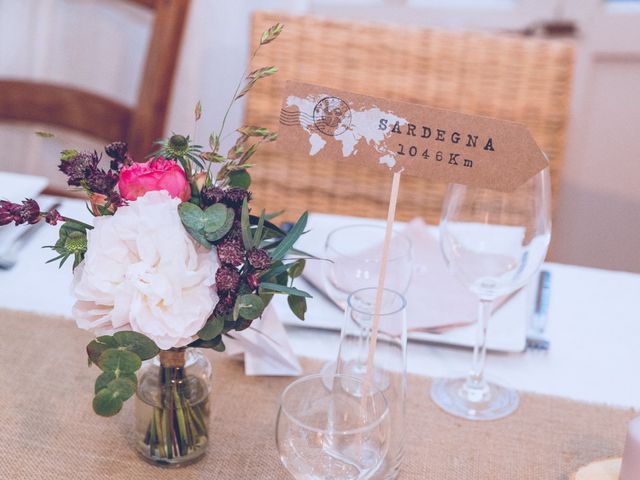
(137, 343)
(199, 237)
(121, 387)
(119, 360)
(249, 307)
(257, 237)
(247, 239)
(240, 178)
(105, 377)
(212, 328)
(281, 250)
(219, 347)
(297, 268)
(277, 288)
(192, 216)
(98, 346)
(194, 219)
(216, 235)
(298, 306)
(215, 217)
(272, 215)
(107, 403)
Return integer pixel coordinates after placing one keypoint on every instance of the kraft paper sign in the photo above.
(439, 145)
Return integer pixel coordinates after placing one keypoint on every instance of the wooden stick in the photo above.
(373, 339)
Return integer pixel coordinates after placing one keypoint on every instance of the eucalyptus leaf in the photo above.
(105, 377)
(249, 306)
(215, 217)
(137, 343)
(212, 328)
(199, 237)
(119, 360)
(192, 216)
(298, 306)
(216, 235)
(121, 387)
(107, 403)
(99, 345)
(277, 288)
(297, 268)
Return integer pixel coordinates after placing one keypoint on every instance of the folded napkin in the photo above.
(436, 300)
(265, 347)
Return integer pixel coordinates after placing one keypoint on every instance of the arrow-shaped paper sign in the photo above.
(438, 145)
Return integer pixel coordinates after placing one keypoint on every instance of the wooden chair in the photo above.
(521, 79)
(100, 117)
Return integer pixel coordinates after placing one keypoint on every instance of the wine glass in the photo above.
(355, 253)
(327, 429)
(494, 242)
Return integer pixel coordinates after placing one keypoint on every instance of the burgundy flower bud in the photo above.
(99, 181)
(227, 279)
(253, 281)
(30, 211)
(78, 167)
(116, 150)
(231, 252)
(53, 217)
(9, 212)
(259, 259)
(116, 199)
(235, 196)
(211, 195)
(224, 305)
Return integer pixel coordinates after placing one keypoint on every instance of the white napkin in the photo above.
(436, 300)
(265, 347)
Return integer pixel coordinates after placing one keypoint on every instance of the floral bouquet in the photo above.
(174, 259)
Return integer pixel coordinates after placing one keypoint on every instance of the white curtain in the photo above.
(100, 45)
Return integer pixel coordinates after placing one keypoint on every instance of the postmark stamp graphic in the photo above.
(332, 116)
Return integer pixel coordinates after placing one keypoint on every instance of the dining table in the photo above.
(588, 375)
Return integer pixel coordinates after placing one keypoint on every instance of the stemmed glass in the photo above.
(326, 428)
(494, 242)
(355, 253)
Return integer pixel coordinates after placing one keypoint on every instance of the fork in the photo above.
(536, 336)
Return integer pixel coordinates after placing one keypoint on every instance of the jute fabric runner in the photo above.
(49, 431)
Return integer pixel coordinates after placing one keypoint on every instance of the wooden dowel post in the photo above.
(373, 339)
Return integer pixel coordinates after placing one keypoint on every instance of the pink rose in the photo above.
(156, 174)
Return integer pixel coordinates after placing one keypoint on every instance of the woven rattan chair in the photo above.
(100, 117)
(526, 80)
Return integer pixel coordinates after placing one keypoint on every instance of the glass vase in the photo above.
(390, 360)
(172, 408)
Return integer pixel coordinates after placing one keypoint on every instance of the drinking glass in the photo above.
(494, 242)
(390, 360)
(355, 253)
(330, 429)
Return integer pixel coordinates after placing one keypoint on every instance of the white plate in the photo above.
(507, 331)
(16, 187)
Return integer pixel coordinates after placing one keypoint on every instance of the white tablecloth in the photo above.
(594, 327)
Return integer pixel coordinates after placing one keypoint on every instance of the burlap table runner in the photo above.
(49, 431)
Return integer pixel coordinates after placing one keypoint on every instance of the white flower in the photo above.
(143, 272)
